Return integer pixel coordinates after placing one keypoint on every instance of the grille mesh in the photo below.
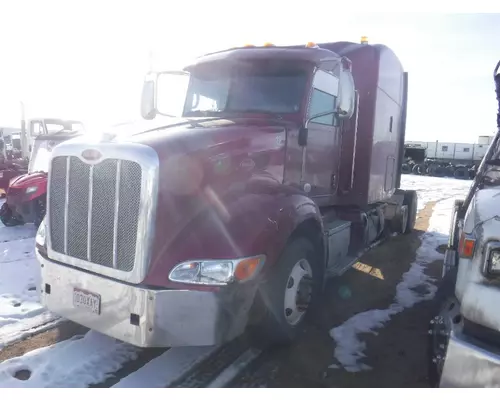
(103, 213)
(93, 190)
(78, 203)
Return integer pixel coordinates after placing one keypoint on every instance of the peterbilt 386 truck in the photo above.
(256, 174)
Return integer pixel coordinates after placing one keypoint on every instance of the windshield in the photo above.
(40, 157)
(263, 86)
(63, 127)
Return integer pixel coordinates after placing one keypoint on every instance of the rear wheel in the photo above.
(289, 293)
(411, 200)
(399, 223)
(419, 169)
(405, 169)
(461, 173)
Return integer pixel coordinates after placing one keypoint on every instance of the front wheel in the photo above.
(8, 218)
(40, 208)
(289, 293)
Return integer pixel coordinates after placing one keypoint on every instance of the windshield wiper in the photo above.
(203, 113)
(258, 111)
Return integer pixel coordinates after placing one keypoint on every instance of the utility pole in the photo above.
(24, 136)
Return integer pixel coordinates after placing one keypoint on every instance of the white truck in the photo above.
(464, 345)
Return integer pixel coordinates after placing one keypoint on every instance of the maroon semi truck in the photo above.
(258, 173)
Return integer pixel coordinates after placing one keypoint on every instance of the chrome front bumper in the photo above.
(146, 317)
(470, 364)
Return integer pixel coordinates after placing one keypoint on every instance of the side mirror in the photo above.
(164, 93)
(148, 99)
(347, 92)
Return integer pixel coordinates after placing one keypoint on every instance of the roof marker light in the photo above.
(364, 39)
(312, 45)
(268, 44)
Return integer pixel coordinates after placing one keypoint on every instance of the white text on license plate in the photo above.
(87, 300)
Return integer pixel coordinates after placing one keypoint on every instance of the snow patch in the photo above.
(415, 285)
(19, 276)
(74, 363)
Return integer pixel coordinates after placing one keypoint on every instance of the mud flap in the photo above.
(450, 261)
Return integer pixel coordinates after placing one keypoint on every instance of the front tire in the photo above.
(289, 293)
(8, 218)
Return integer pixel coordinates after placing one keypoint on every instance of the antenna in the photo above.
(496, 77)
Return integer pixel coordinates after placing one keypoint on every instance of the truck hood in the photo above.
(484, 207)
(207, 166)
(26, 180)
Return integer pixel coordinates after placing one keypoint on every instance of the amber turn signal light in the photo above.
(248, 268)
(466, 246)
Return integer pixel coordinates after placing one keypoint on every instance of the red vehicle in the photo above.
(26, 194)
(282, 168)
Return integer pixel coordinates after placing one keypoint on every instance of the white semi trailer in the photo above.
(459, 160)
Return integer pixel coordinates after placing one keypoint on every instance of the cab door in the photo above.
(323, 140)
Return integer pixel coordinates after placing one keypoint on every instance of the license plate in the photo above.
(87, 300)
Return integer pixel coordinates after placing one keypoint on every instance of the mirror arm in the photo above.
(304, 131)
(323, 114)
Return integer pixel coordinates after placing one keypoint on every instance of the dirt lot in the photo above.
(397, 354)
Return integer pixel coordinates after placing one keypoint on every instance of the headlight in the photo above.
(494, 262)
(217, 272)
(40, 238)
(31, 189)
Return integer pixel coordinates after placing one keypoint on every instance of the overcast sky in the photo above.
(87, 60)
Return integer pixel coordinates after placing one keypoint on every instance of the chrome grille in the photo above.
(94, 210)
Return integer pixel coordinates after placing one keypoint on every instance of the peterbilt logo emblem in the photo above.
(91, 154)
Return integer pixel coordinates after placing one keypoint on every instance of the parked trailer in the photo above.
(458, 160)
(188, 230)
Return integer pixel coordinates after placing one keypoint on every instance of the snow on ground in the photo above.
(19, 277)
(349, 350)
(77, 362)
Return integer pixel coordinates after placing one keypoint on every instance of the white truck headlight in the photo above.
(31, 189)
(40, 238)
(216, 272)
(494, 262)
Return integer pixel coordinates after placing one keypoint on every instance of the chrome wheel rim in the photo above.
(298, 292)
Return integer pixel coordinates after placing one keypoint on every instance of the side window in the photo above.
(444, 148)
(36, 129)
(324, 97)
(466, 149)
(322, 102)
